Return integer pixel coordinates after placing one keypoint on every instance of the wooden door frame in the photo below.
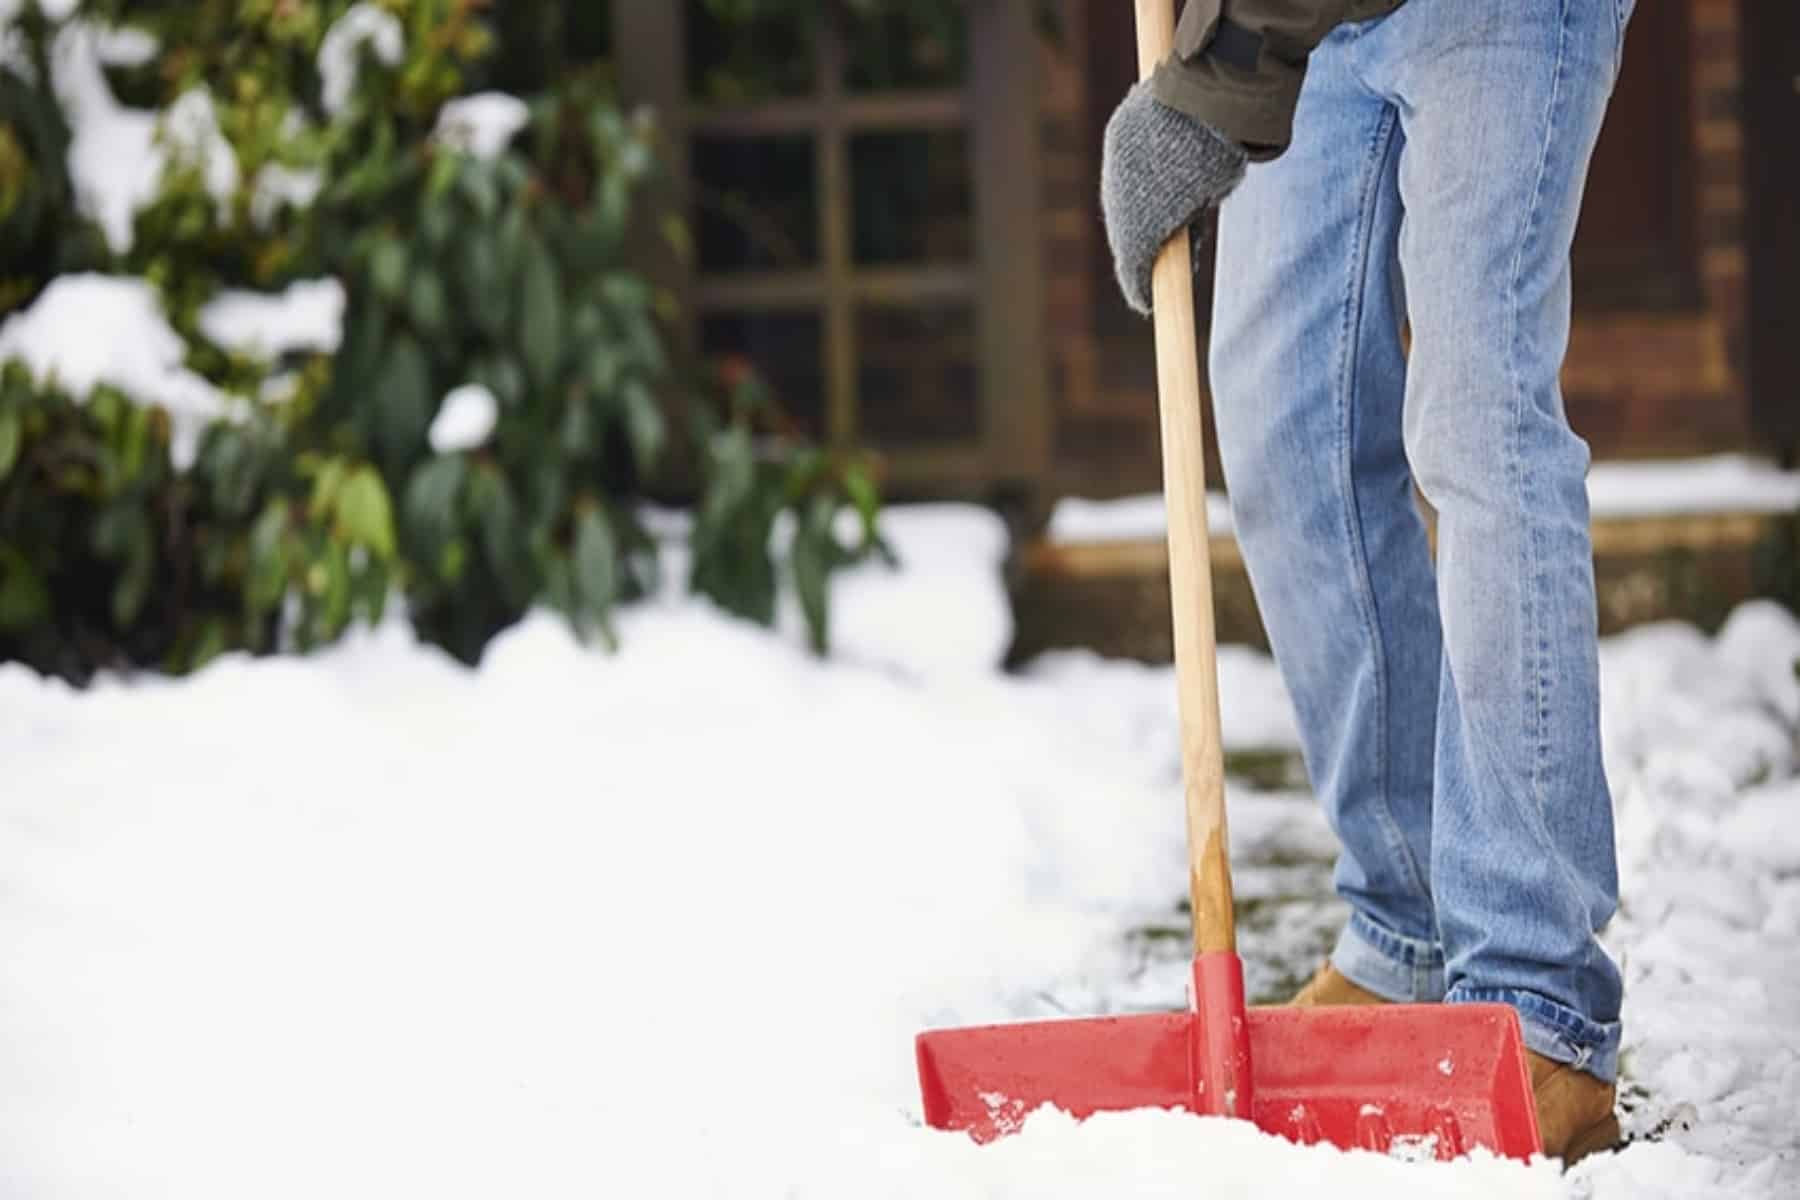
(1771, 50)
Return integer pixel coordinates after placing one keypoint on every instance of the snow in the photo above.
(945, 614)
(1723, 483)
(361, 25)
(1126, 519)
(664, 922)
(308, 316)
(1726, 483)
(279, 187)
(118, 155)
(88, 330)
(125, 47)
(482, 124)
(465, 419)
(54, 10)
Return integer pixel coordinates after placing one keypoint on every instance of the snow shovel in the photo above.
(1427, 1080)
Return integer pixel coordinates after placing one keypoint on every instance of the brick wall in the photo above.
(1676, 382)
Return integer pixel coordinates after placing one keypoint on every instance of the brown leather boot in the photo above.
(1574, 1110)
(1327, 988)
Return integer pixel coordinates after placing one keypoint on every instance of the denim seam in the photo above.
(1534, 664)
(1381, 145)
(1534, 646)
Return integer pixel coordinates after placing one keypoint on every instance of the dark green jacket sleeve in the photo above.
(1238, 64)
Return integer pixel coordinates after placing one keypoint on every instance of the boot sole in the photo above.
(1593, 1140)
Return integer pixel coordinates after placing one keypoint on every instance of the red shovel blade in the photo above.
(1427, 1080)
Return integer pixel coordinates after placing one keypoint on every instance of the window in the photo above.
(863, 198)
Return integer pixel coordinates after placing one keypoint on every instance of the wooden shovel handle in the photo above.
(1190, 567)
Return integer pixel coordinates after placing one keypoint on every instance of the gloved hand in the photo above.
(1159, 171)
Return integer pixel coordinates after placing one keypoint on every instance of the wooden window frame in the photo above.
(1003, 284)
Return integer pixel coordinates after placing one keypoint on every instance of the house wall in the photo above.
(1657, 361)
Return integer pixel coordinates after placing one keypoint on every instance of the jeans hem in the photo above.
(1392, 965)
(1558, 1033)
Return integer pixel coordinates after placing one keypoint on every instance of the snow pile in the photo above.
(665, 922)
(1703, 751)
(87, 330)
(309, 315)
(483, 124)
(945, 613)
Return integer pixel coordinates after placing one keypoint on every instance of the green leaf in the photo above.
(387, 268)
(24, 599)
(479, 274)
(356, 369)
(597, 564)
(124, 534)
(863, 494)
(403, 402)
(334, 607)
(645, 427)
(445, 169)
(268, 577)
(623, 290)
(496, 514)
(326, 483)
(502, 376)
(133, 586)
(540, 314)
(480, 188)
(813, 554)
(12, 435)
(364, 515)
(603, 367)
(430, 504)
(426, 301)
(213, 641)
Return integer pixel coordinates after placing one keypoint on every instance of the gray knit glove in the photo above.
(1160, 170)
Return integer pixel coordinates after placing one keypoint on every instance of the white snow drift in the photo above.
(664, 923)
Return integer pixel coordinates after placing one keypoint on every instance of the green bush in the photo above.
(508, 273)
(41, 235)
(111, 558)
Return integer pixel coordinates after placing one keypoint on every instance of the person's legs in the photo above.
(1500, 103)
(1308, 378)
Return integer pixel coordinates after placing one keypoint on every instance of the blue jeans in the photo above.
(1450, 712)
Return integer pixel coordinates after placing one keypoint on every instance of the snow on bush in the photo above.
(362, 25)
(118, 155)
(465, 419)
(483, 124)
(307, 316)
(87, 330)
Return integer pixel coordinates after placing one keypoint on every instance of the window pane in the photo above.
(740, 60)
(754, 204)
(917, 379)
(785, 349)
(911, 194)
(906, 49)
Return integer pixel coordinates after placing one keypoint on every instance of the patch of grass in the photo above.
(1268, 770)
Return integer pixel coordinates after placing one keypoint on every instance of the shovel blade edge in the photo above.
(1418, 1081)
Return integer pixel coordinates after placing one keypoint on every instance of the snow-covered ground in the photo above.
(664, 923)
